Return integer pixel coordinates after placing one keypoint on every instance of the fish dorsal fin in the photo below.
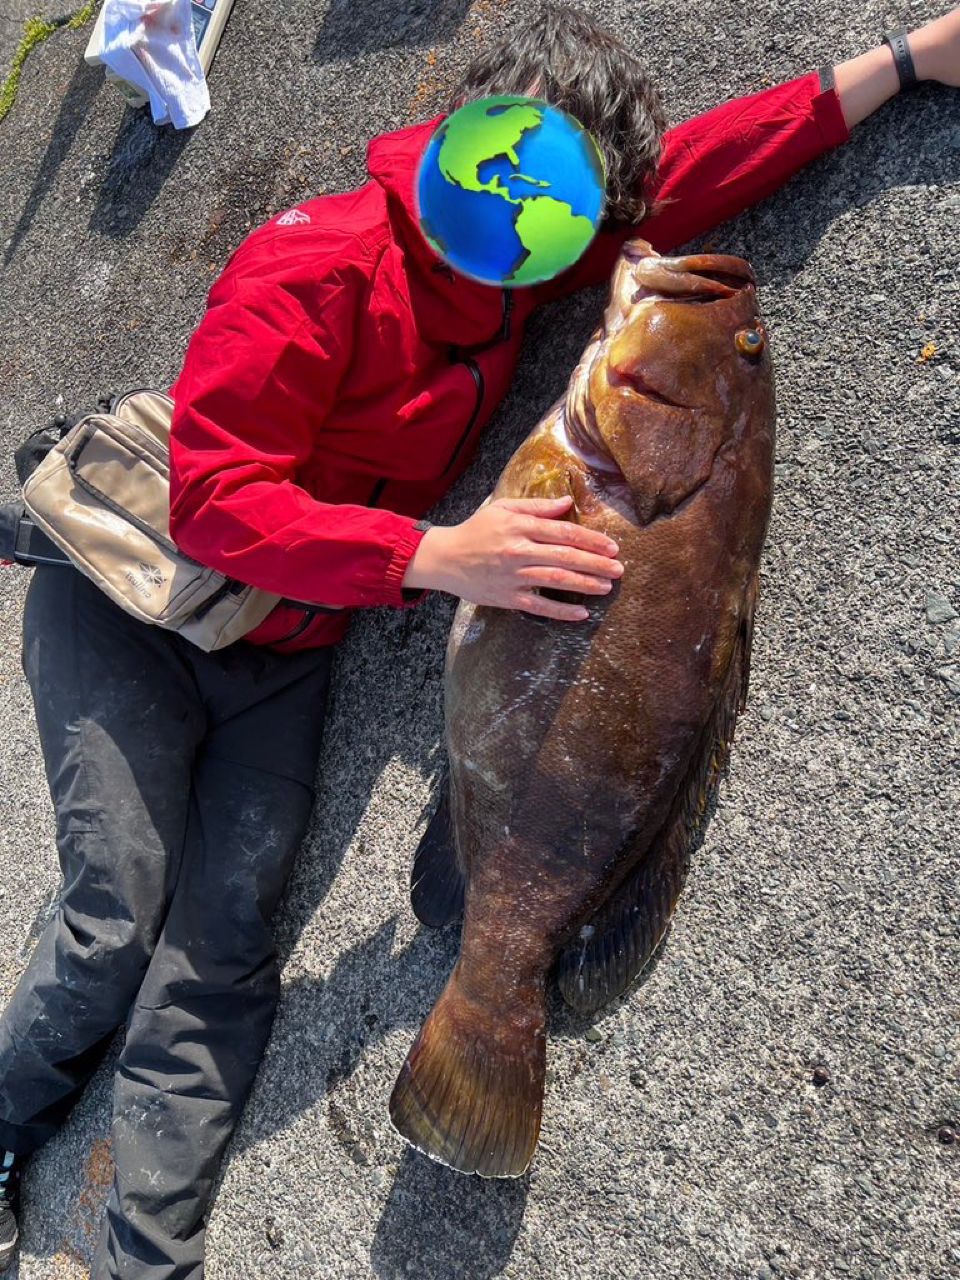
(437, 881)
(611, 949)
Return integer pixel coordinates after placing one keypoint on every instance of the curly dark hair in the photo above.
(566, 58)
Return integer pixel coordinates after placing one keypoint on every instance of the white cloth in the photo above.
(151, 44)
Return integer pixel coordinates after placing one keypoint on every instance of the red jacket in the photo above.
(342, 374)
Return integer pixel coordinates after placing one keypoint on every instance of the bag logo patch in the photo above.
(146, 581)
(293, 218)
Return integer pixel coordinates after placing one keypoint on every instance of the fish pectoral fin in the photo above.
(613, 948)
(550, 482)
(437, 880)
(554, 482)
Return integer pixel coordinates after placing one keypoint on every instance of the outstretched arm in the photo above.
(722, 162)
(865, 83)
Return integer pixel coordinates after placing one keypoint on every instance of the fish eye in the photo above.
(750, 342)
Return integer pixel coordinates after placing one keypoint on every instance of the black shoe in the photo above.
(11, 1168)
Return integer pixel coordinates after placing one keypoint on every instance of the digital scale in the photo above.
(209, 19)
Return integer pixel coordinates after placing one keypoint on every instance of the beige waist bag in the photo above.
(103, 496)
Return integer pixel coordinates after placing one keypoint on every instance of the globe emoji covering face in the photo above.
(510, 190)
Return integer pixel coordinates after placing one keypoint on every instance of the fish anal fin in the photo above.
(437, 880)
(613, 948)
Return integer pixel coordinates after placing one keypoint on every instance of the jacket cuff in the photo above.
(827, 111)
(406, 545)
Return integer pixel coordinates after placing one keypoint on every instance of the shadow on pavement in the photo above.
(901, 146)
(437, 1222)
(435, 1219)
(355, 27)
(144, 155)
(83, 88)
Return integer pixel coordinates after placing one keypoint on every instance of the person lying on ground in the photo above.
(336, 387)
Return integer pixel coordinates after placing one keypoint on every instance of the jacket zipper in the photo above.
(454, 354)
(478, 379)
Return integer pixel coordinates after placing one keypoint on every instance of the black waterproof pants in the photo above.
(182, 783)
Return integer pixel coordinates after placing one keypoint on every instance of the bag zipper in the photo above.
(307, 620)
(226, 588)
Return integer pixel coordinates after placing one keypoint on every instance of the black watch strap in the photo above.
(897, 40)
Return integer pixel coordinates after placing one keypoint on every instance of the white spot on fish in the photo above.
(489, 778)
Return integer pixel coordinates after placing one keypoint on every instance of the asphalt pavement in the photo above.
(772, 1100)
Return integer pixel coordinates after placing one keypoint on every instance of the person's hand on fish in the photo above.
(508, 549)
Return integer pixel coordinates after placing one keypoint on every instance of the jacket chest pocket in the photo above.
(464, 388)
(438, 421)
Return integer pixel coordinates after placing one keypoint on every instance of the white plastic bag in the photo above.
(151, 44)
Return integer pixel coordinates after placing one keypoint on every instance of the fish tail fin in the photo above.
(471, 1090)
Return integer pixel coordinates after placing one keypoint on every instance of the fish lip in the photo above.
(695, 278)
(710, 265)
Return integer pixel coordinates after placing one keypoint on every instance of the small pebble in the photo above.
(939, 608)
(946, 1135)
(820, 1076)
(593, 1035)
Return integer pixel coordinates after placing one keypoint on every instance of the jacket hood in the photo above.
(462, 310)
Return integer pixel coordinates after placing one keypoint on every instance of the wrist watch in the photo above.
(897, 40)
(899, 47)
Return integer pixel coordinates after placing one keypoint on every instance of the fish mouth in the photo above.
(704, 277)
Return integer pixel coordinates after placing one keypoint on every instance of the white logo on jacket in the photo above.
(292, 218)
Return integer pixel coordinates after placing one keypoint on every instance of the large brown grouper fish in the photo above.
(583, 755)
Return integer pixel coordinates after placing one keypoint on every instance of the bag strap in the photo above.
(22, 542)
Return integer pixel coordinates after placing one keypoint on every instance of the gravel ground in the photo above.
(684, 1133)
